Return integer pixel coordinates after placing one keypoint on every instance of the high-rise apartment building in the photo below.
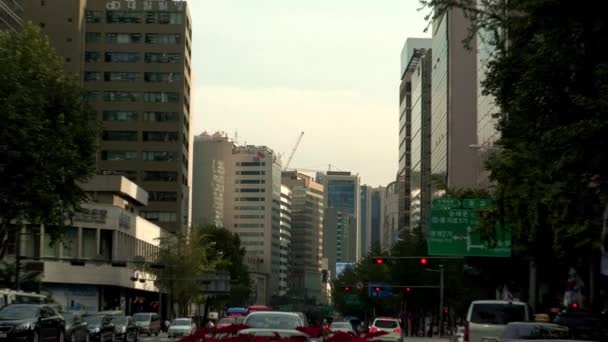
(285, 215)
(251, 205)
(453, 106)
(341, 229)
(410, 55)
(306, 251)
(11, 12)
(133, 57)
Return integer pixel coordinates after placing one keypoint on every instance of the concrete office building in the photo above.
(341, 228)
(410, 55)
(86, 270)
(454, 105)
(133, 58)
(251, 203)
(306, 251)
(285, 240)
(11, 13)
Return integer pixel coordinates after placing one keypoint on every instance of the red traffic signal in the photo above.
(408, 289)
(379, 261)
(377, 289)
(445, 311)
(346, 288)
(424, 261)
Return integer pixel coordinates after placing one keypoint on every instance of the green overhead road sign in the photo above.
(477, 203)
(446, 202)
(453, 232)
(352, 299)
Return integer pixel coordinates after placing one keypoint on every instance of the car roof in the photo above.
(505, 302)
(274, 313)
(386, 319)
(32, 305)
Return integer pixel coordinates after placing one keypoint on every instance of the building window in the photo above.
(123, 38)
(118, 155)
(160, 176)
(122, 57)
(93, 17)
(121, 96)
(93, 37)
(160, 116)
(174, 18)
(92, 96)
(159, 57)
(162, 196)
(250, 163)
(163, 97)
(250, 190)
(92, 56)
(163, 38)
(69, 20)
(119, 135)
(130, 174)
(115, 115)
(69, 242)
(162, 77)
(121, 76)
(159, 216)
(89, 243)
(92, 76)
(68, 60)
(124, 17)
(250, 173)
(251, 181)
(164, 156)
(160, 136)
(69, 40)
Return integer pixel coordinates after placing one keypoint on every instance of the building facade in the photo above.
(11, 14)
(133, 58)
(390, 233)
(306, 251)
(251, 203)
(342, 211)
(372, 216)
(285, 240)
(454, 105)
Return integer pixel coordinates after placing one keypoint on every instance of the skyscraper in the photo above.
(253, 205)
(285, 215)
(341, 227)
(133, 58)
(306, 251)
(371, 215)
(454, 105)
(11, 12)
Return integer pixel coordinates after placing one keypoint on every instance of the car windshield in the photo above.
(16, 312)
(340, 325)
(182, 321)
(93, 319)
(68, 316)
(119, 320)
(535, 332)
(386, 324)
(498, 313)
(273, 321)
(141, 318)
(227, 320)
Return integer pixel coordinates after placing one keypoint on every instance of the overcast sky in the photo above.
(269, 69)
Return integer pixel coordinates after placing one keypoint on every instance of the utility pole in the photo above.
(18, 260)
(441, 273)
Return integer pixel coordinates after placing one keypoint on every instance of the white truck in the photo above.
(487, 319)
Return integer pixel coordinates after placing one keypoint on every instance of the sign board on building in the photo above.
(85, 215)
(446, 203)
(453, 232)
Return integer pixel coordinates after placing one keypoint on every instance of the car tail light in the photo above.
(467, 331)
(373, 329)
(398, 330)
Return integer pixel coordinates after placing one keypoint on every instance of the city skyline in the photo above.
(265, 65)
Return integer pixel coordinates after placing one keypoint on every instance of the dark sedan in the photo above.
(76, 329)
(125, 328)
(100, 328)
(31, 323)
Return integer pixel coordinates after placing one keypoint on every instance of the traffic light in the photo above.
(378, 289)
(424, 261)
(408, 289)
(379, 261)
(446, 311)
(347, 288)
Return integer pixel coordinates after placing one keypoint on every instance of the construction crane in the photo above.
(293, 151)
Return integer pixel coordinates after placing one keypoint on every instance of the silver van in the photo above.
(487, 319)
(147, 323)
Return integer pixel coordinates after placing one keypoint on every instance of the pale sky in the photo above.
(269, 69)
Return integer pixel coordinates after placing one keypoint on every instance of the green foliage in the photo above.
(29, 280)
(48, 134)
(549, 77)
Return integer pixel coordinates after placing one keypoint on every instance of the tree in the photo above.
(549, 77)
(225, 247)
(47, 138)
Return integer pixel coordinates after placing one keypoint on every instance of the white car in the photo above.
(487, 319)
(342, 326)
(391, 326)
(181, 327)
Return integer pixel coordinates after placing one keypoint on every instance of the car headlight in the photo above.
(23, 327)
(95, 330)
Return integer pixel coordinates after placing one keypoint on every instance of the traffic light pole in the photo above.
(440, 299)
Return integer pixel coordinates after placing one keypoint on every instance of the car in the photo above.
(147, 323)
(458, 335)
(341, 326)
(273, 320)
(181, 327)
(30, 322)
(100, 327)
(125, 328)
(292, 335)
(584, 325)
(487, 319)
(391, 326)
(304, 318)
(76, 329)
(230, 320)
(534, 331)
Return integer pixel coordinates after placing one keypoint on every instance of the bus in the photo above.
(8, 296)
(258, 307)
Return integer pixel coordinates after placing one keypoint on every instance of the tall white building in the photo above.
(285, 239)
(249, 180)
